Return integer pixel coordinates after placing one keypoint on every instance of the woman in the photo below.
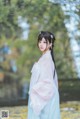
(43, 100)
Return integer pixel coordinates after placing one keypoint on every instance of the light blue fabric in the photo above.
(50, 111)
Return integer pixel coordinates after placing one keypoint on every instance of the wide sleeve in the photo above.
(44, 89)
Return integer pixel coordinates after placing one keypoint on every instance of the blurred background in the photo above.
(20, 23)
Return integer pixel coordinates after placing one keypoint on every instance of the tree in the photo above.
(40, 15)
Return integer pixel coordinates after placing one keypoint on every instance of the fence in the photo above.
(69, 90)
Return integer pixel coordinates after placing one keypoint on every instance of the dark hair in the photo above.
(48, 37)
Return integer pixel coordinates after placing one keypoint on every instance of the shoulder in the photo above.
(46, 63)
(44, 60)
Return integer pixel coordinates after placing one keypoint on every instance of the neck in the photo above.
(46, 51)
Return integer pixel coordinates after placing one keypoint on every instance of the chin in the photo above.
(42, 50)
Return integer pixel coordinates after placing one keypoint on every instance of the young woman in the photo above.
(43, 100)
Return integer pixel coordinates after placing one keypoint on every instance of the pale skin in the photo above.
(44, 46)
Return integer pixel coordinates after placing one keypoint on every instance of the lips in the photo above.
(41, 48)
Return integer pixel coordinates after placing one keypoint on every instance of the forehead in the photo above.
(43, 39)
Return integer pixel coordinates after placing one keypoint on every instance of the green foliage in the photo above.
(41, 15)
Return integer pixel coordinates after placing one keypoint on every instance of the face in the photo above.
(43, 45)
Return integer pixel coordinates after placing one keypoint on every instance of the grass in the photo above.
(69, 110)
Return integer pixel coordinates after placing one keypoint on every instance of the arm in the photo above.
(44, 89)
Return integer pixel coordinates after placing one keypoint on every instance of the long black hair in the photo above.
(48, 37)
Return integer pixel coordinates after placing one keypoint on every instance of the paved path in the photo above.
(69, 110)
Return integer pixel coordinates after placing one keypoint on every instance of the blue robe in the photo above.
(43, 100)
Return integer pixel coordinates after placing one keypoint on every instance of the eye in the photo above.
(39, 41)
(44, 42)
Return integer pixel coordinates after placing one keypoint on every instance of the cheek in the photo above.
(38, 45)
(45, 45)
